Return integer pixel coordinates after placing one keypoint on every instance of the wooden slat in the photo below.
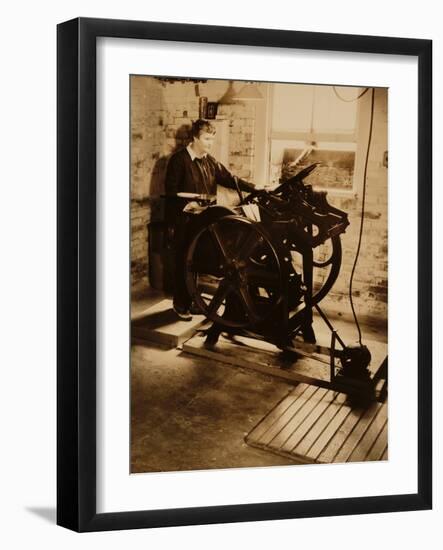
(304, 427)
(377, 450)
(370, 436)
(277, 411)
(282, 429)
(328, 453)
(354, 437)
(326, 437)
(385, 454)
(321, 425)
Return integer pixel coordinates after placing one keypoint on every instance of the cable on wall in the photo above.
(341, 98)
(362, 214)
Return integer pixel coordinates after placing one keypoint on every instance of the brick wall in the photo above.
(241, 139)
(370, 279)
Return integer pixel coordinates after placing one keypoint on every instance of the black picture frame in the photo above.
(76, 279)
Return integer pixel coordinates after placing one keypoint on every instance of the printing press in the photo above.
(261, 268)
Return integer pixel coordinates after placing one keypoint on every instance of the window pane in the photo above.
(280, 152)
(335, 171)
(332, 114)
(336, 168)
(306, 108)
(292, 107)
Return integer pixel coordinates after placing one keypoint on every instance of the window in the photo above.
(312, 123)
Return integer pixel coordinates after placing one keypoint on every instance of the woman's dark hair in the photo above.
(201, 125)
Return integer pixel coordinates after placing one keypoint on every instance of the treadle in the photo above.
(318, 426)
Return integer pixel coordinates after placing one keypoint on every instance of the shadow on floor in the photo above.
(48, 514)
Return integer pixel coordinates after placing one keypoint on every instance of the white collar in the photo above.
(192, 153)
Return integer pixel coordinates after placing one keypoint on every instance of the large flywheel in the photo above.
(234, 273)
(326, 262)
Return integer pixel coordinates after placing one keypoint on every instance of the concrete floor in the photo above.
(190, 413)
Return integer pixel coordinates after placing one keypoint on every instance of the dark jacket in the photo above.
(195, 176)
(184, 175)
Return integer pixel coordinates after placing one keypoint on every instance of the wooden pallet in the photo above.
(316, 425)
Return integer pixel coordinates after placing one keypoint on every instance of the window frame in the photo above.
(358, 137)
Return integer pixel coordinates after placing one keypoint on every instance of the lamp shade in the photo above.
(229, 96)
(249, 92)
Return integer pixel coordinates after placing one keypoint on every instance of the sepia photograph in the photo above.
(259, 274)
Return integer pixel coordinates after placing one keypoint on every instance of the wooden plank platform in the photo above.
(260, 356)
(268, 359)
(159, 324)
(317, 426)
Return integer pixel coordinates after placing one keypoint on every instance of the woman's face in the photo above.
(203, 143)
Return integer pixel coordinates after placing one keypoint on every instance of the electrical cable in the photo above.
(352, 99)
(362, 215)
